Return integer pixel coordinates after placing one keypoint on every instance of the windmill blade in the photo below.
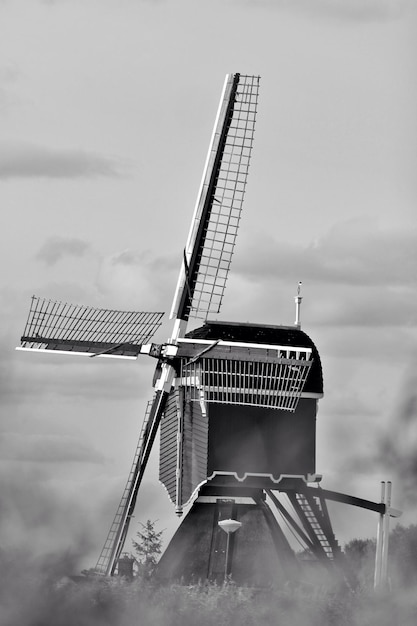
(67, 328)
(211, 241)
(116, 537)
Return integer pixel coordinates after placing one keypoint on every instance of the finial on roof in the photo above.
(298, 298)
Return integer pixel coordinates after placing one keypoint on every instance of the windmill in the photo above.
(235, 403)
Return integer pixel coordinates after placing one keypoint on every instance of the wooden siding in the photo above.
(168, 449)
(195, 444)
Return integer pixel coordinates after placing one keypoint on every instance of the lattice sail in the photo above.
(79, 329)
(212, 237)
(276, 384)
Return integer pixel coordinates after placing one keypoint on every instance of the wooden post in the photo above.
(379, 542)
(384, 560)
(229, 526)
(226, 565)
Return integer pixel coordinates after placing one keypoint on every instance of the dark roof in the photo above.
(273, 335)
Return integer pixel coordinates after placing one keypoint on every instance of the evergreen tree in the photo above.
(148, 547)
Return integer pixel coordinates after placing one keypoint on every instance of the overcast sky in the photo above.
(106, 111)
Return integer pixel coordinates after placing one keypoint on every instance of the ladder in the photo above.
(317, 522)
(113, 546)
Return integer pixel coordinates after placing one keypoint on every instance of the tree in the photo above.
(148, 547)
(402, 557)
(360, 558)
(403, 554)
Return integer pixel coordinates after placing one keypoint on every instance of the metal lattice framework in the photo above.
(223, 225)
(275, 384)
(212, 237)
(58, 326)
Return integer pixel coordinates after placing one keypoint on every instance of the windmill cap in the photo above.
(264, 334)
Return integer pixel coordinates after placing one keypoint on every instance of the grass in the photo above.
(37, 597)
(36, 592)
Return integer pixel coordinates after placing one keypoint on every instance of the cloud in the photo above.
(138, 279)
(364, 306)
(39, 514)
(47, 448)
(356, 275)
(9, 74)
(23, 160)
(128, 257)
(363, 10)
(352, 10)
(388, 447)
(398, 449)
(355, 252)
(141, 259)
(56, 248)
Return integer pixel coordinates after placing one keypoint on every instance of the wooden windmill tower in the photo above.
(235, 403)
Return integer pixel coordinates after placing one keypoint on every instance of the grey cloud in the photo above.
(34, 161)
(47, 448)
(352, 10)
(361, 343)
(37, 513)
(355, 275)
(61, 381)
(129, 257)
(366, 307)
(352, 253)
(146, 259)
(138, 279)
(56, 248)
(8, 75)
(394, 445)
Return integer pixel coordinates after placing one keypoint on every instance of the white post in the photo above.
(379, 542)
(384, 560)
(229, 526)
(298, 298)
(226, 563)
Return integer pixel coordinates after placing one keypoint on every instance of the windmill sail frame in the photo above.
(87, 331)
(212, 236)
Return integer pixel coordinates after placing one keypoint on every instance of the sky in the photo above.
(106, 111)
